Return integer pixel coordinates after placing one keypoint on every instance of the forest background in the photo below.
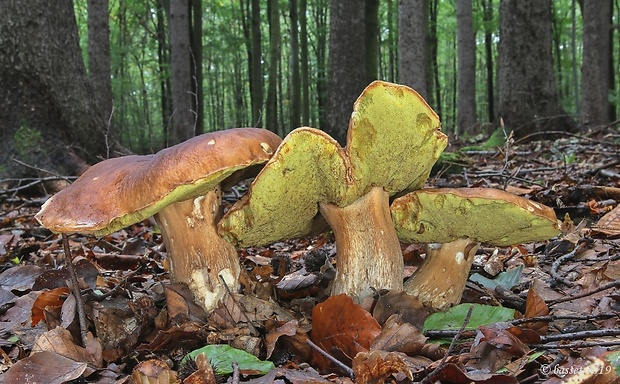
(91, 79)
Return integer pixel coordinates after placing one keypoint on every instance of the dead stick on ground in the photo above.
(614, 284)
(75, 289)
(331, 358)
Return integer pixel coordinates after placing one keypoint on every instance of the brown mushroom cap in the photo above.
(441, 215)
(120, 191)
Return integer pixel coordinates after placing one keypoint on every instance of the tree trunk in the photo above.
(305, 75)
(372, 39)
(196, 68)
(256, 71)
(487, 15)
(320, 19)
(466, 50)
(413, 50)
(274, 59)
(163, 58)
(295, 86)
(528, 99)
(99, 57)
(49, 116)
(183, 117)
(595, 65)
(347, 68)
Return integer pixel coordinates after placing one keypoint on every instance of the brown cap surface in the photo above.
(120, 191)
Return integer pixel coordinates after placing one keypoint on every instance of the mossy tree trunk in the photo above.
(49, 117)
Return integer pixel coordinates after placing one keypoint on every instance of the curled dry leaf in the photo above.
(376, 366)
(154, 371)
(399, 336)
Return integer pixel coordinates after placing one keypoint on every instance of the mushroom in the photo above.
(180, 185)
(392, 143)
(461, 218)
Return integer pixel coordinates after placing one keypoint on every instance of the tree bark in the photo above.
(487, 15)
(372, 39)
(49, 116)
(274, 60)
(305, 75)
(347, 68)
(183, 117)
(413, 50)
(528, 98)
(595, 65)
(196, 68)
(295, 86)
(320, 21)
(466, 50)
(99, 57)
(256, 67)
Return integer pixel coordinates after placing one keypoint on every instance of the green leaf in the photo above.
(454, 317)
(222, 357)
(505, 279)
(614, 360)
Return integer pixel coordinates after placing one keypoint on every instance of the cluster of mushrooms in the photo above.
(370, 193)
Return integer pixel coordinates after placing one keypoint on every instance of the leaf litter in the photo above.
(563, 295)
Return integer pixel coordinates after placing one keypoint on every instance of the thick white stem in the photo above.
(198, 255)
(440, 280)
(368, 249)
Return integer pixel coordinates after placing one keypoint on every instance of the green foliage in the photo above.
(223, 356)
(26, 140)
(453, 318)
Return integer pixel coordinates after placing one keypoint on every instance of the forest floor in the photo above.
(139, 323)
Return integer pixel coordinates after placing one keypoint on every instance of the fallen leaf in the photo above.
(44, 367)
(535, 306)
(342, 329)
(376, 366)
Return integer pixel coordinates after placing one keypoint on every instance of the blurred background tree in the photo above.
(207, 65)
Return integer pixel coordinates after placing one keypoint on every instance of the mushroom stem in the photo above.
(368, 249)
(439, 282)
(198, 255)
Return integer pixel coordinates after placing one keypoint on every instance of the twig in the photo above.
(580, 335)
(75, 289)
(517, 322)
(235, 375)
(613, 284)
(430, 378)
(558, 262)
(39, 169)
(576, 344)
(551, 318)
(331, 358)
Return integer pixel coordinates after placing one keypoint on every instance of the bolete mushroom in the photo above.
(180, 185)
(393, 140)
(461, 218)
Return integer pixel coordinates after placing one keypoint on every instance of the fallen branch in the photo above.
(613, 284)
(331, 358)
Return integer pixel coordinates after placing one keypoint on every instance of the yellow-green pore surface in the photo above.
(487, 215)
(394, 139)
(121, 191)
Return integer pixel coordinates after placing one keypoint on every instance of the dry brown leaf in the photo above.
(399, 302)
(536, 306)
(376, 366)
(53, 298)
(399, 336)
(44, 367)
(342, 329)
(60, 341)
(154, 372)
(609, 224)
